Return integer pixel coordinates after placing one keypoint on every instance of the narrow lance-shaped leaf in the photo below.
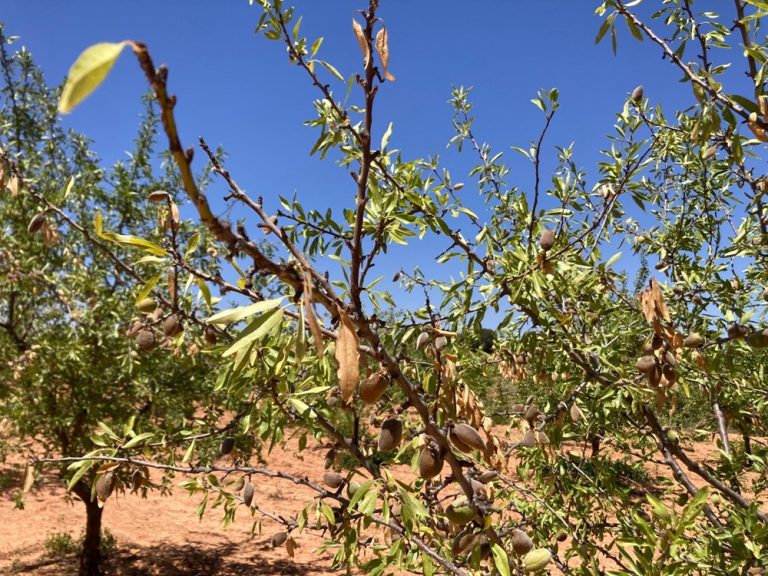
(347, 356)
(314, 325)
(88, 71)
(262, 326)
(237, 314)
(500, 559)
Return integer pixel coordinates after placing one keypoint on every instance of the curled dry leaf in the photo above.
(757, 127)
(290, 546)
(362, 42)
(347, 356)
(172, 219)
(652, 303)
(314, 325)
(382, 47)
(762, 102)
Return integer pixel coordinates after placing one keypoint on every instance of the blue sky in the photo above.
(237, 89)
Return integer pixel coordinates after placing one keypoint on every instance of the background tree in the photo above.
(71, 369)
(604, 365)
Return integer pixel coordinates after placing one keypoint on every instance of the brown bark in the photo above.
(90, 554)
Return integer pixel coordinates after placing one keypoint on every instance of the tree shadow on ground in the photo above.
(175, 560)
(192, 560)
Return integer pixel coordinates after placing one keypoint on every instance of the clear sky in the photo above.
(237, 89)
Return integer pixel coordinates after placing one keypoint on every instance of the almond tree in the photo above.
(605, 364)
(73, 365)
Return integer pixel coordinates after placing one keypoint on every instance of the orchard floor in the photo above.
(162, 536)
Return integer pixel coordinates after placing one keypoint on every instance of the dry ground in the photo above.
(162, 535)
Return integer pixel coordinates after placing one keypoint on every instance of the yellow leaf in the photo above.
(360, 35)
(382, 47)
(88, 71)
(347, 356)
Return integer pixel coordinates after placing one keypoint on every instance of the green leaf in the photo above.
(68, 187)
(604, 28)
(385, 138)
(331, 69)
(188, 452)
(80, 473)
(262, 326)
(500, 559)
(613, 259)
(237, 314)
(362, 491)
(315, 47)
(136, 242)
(205, 291)
(88, 71)
(194, 241)
(659, 509)
(427, 567)
(147, 289)
(108, 431)
(299, 405)
(138, 439)
(150, 260)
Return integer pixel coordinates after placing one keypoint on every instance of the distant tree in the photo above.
(71, 369)
(603, 364)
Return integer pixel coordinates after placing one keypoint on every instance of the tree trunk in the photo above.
(90, 555)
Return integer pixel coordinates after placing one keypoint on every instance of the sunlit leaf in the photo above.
(88, 71)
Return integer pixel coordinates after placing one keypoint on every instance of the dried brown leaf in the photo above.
(757, 128)
(700, 359)
(314, 325)
(290, 546)
(50, 234)
(347, 356)
(360, 35)
(652, 303)
(172, 285)
(173, 217)
(382, 47)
